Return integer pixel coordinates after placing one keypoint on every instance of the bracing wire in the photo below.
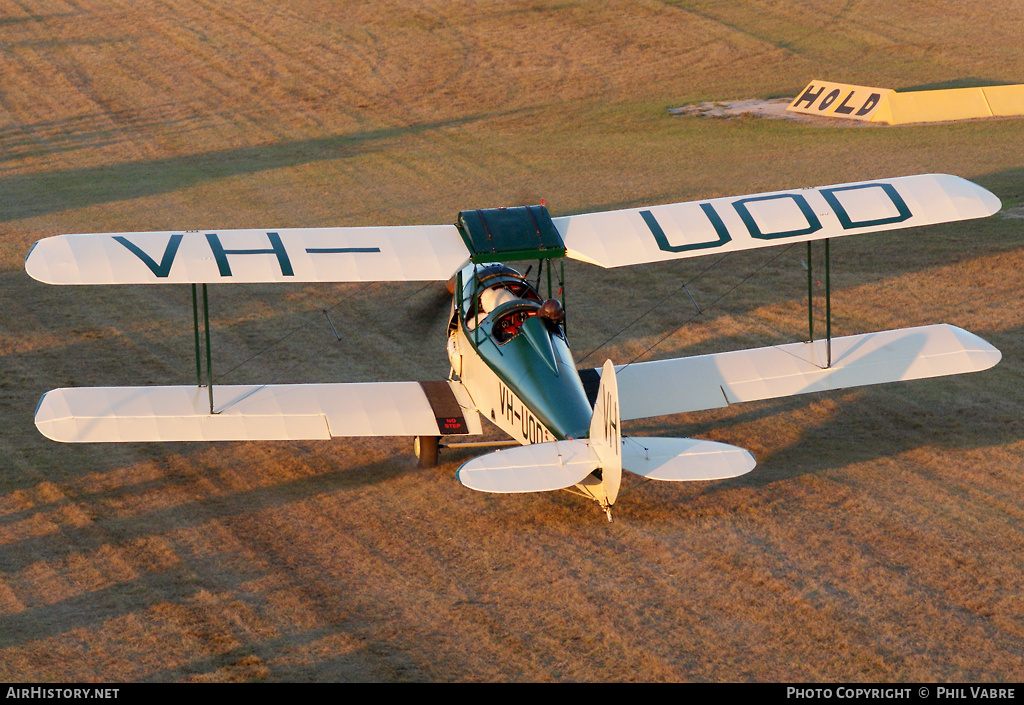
(731, 289)
(699, 311)
(643, 315)
(289, 334)
(311, 319)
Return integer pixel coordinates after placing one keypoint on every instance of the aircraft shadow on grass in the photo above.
(158, 583)
(30, 195)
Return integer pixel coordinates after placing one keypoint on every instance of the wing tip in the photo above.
(48, 421)
(35, 267)
(962, 189)
(982, 353)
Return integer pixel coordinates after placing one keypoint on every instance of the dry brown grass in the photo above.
(878, 539)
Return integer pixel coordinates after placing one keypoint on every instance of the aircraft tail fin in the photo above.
(541, 467)
(606, 437)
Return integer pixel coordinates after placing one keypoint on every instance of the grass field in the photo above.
(879, 538)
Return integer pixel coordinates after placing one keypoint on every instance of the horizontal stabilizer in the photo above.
(711, 381)
(542, 467)
(386, 253)
(539, 467)
(718, 225)
(684, 459)
(253, 412)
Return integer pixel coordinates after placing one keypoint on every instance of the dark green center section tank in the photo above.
(505, 234)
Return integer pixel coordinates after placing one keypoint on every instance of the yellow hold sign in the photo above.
(839, 100)
(883, 105)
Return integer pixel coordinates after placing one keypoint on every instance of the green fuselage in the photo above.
(528, 353)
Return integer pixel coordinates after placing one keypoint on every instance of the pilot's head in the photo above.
(491, 298)
(552, 310)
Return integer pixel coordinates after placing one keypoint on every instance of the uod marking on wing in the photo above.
(888, 200)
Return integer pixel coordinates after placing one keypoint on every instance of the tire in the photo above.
(426, 449)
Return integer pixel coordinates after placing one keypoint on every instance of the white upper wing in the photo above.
(435, 252)
(398, 253)
(657, 233)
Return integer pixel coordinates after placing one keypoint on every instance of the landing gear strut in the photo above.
(425, 448)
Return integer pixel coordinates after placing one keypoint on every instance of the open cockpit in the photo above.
(502, 298)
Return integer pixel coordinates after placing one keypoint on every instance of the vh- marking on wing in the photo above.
(398, 253)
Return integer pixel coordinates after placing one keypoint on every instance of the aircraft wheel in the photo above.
(425, 448)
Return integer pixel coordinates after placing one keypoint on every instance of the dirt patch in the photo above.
(774, 109)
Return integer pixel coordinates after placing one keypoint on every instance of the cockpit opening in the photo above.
(495, 285)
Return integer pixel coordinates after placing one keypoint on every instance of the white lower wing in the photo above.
(389, 253)
(678, 230)
(269, 412)
(710, 381)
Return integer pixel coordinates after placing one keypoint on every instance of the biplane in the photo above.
(507, 345)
